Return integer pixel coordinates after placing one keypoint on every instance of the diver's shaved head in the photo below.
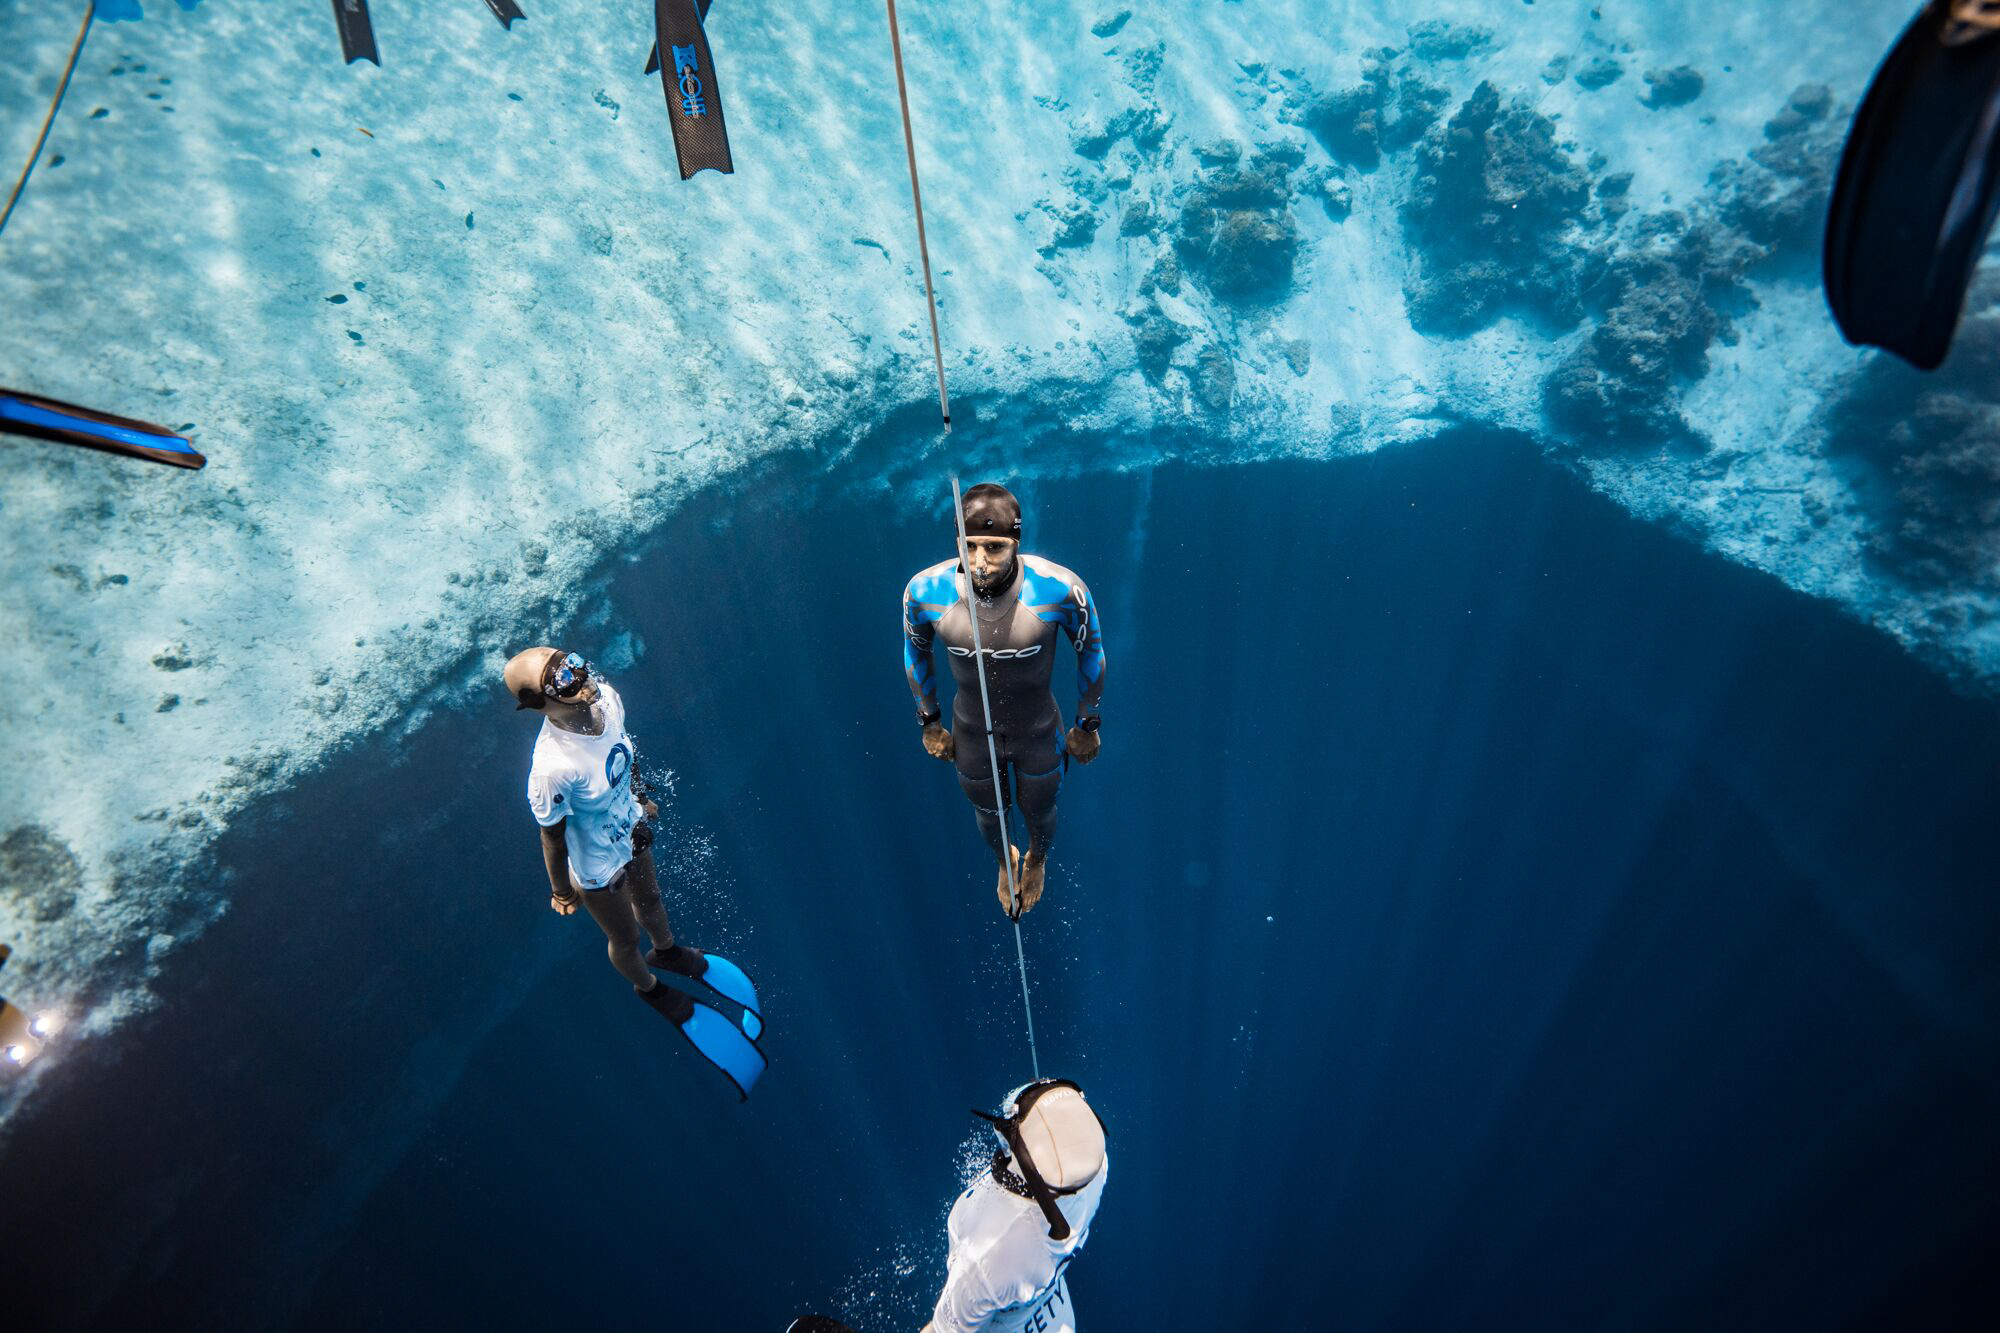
(524, 674)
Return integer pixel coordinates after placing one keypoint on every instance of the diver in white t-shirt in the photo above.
(1015, 1229)
(585, 792)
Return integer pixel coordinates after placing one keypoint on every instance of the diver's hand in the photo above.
(1083, 744)
(938, 741)
(563, 904)
(644, 796)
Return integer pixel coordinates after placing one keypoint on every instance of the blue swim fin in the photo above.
(731, 981)
(721, 1042)
(723, 1045)
(720, 979)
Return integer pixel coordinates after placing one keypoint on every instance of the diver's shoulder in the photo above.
(937, 583)
(552, 760)
(1043, 580)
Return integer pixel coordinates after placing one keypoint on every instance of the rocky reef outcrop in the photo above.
(1922, 454)
(1236, 234)
(1488, 216)
(1664, 284)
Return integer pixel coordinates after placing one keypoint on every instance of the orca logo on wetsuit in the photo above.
(997, 654)
(617, 764)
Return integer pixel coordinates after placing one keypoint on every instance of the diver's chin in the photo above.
(995, 585)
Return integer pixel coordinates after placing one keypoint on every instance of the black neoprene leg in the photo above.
(1031, 771)
(1037, 793)
(1038, 776)
(643, 881)
(975, 779)
(980, 792)
(611, 909)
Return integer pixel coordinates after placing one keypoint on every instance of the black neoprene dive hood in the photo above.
(991, 511)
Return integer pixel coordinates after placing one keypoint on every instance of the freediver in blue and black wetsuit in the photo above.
(1023, 602)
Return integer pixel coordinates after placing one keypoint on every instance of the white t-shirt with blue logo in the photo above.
(1004, 1274)
(588, 781)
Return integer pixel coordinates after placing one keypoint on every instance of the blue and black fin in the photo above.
(723, 985)
(653, 56)
(694, 101)
(720, 1042)
(506, 11)
(66, 423)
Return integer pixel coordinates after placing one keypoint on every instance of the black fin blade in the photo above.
(653, 56)
(694, 102)
(357, 32)
(1916, 193)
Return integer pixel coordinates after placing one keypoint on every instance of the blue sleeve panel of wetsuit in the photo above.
(926, 599)
(1054, 594)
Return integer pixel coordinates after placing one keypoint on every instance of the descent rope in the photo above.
(917, 202)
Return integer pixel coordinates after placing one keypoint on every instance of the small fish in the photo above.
(365, 130)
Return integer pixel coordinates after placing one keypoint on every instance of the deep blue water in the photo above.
(1489, 912)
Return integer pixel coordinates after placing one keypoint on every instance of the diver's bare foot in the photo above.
(1005, 889)
(1031, 880)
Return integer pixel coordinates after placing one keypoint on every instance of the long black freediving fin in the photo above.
(694, 102)
(1918, 186)
(506, 11)
(653, 56)
(66, 423)
(817, 1323)
(357, 32)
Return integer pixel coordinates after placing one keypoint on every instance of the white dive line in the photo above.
(917, 201)
(993, 759)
